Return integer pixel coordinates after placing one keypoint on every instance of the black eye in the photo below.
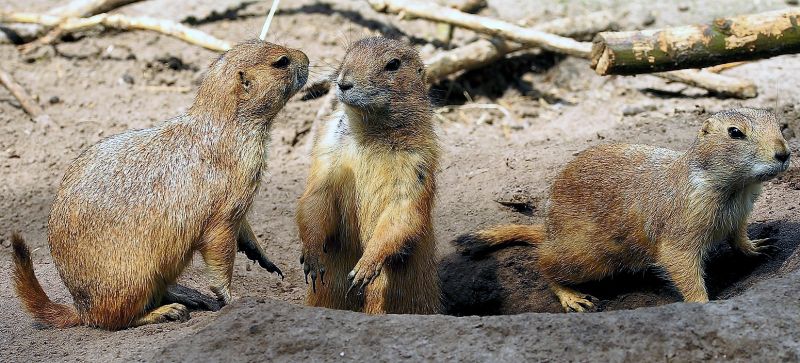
(393, 65)
(735, 133)
(282, 62)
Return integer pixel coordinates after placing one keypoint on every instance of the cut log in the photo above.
(481, 24)
(724, 40)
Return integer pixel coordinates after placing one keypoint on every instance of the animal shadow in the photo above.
(478, 280)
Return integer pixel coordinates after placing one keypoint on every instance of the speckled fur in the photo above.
(366, 210)
(132, 209)
(626, 207)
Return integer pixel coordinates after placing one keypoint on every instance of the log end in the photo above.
(601, 57)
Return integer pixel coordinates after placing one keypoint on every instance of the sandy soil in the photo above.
(99, 84)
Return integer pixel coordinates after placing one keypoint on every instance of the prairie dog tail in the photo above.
(497, 237)
(31, 293)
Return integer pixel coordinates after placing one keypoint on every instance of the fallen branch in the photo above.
(73, 9)
(484, 25)
(26, 101)
(716, 83)
(444, 31)
(724, 40)
(83, 8)
(117, 21)
(483, 52)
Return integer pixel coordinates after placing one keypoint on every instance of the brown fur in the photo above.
(627, 207)
(366, 210)
(132, 209)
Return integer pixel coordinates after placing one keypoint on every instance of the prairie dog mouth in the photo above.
(764, 172)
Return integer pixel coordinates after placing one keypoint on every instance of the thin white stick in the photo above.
(272, 11)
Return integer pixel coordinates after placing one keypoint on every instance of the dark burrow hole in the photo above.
(479, 281)
(494, 80)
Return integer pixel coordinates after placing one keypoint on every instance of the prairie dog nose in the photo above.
(782, 156)
(344, 85)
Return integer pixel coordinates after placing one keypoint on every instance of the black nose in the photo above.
(782, 157)
(345, 86)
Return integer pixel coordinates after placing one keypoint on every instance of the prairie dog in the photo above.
(132, 209)
(626, 207)
(365, 216)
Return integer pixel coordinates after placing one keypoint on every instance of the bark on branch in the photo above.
(724, 40)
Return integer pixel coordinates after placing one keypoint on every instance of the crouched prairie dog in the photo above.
(365, 216)
(132, 209)
(626, 207)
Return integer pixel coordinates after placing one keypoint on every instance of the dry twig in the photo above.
(26, 101)
(118, 21)
(73, 9)
(483, 52)
(481, 24)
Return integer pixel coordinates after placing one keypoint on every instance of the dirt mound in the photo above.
(495, 170)
(757, 325)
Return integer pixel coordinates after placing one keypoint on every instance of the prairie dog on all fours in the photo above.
(627, 207)
(365, 216)
(132, 209)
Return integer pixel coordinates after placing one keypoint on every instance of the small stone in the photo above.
(53, 100)
(650, 19)
(683, 7)
(792, 2)
(127, 78)
(12, 154)
(632, 110)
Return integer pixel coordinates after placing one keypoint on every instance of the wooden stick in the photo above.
(75, 8)
(723, 40)
(28, 104)
(267, 23)
(444, 31)
(84, 8)
(426, 10)
(716, 83)
(726, 66)
(118, 21)
(483, 52)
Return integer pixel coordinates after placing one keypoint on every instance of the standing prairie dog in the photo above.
(365, 216)
(132, 209)
(626, 207)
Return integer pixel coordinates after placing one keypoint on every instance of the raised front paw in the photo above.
(758, 247)
(366, 270)
(312, 265)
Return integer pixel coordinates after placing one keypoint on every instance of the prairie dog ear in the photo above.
(708, 127)
(245, 83)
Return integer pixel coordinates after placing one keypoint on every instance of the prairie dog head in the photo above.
(743, 145)
(380, 75)
(253, 79)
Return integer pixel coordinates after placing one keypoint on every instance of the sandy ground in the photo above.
(99, 84)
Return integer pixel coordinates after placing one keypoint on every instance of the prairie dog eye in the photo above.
(282, 62)
(393, 65)
(735, 133)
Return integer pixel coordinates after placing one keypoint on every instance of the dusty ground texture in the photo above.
(99, 84)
